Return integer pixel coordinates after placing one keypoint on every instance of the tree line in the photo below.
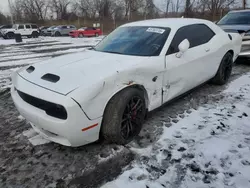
(40, 11)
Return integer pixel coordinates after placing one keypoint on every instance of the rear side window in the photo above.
(197, 35)
(72, 26)
(64, 27)
(21, 27)
(27, 26)
(34, 26)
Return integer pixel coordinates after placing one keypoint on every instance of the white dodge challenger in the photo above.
(107, 90)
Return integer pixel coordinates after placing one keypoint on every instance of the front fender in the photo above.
(94, 98)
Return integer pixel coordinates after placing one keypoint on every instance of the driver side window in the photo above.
(197, 34)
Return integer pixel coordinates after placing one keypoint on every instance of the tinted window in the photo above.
(234, 18)
(72, 26)
(21, 27)
(34, 26)
(197, 34)
(64, 27)
(135, 40)
(27, 26)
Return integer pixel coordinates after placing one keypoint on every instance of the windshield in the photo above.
(136, 40)
(233, 18)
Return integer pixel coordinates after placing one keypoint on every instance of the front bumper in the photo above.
(74, 35)
(73, 131)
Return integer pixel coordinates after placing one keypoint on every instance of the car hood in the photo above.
(66, 73)
(244, 28)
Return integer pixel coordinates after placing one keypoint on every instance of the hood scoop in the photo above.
(30, 69)
(51, 78)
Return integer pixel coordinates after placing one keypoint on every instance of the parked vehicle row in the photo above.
(70, 30)
(32, 30)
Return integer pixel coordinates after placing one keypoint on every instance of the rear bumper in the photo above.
(72, 131)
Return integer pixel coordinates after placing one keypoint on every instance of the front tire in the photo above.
(224, 72)
(124, 116)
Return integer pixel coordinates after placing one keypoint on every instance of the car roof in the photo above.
(246, 10)
(168, 22)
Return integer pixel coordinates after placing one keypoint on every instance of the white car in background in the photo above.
(107, 90)
(28, 30)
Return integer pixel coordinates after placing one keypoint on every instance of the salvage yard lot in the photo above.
(27, 160)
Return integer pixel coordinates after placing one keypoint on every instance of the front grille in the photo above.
(52, 109)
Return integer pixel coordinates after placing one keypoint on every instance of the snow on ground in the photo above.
(209, 148)
(16, 55)
(53, 39)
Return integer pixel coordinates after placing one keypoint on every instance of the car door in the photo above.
(64, 30)
(21, 30)
(27, 30)
(87, 31)
(93, 31)
(193, 67)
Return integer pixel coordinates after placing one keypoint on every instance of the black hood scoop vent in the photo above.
(51, 78)
(30, 69)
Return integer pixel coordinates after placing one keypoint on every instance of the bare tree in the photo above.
(132, 7)
(149, 9)
(60, 7)
(167, 6)
(187, 8)
(30, 10)
(244, 3)
(216, 6)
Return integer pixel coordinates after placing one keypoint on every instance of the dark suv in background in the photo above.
(236, 21)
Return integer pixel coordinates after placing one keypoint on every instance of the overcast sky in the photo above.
(5, 9)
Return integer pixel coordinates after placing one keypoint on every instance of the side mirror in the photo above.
(183, 47)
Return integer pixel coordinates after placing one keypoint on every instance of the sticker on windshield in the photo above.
(156, 30)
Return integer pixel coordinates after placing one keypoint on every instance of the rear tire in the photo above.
(35, 34)
(224, 72)
(9, 36)
(124, 116)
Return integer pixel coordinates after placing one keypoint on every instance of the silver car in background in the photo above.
(236, 21)
(62, 30)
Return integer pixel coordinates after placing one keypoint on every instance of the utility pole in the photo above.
(11, 16)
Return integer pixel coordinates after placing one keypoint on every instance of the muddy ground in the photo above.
(51, 165)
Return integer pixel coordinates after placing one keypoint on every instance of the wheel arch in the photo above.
(137, 86)
(231, 52)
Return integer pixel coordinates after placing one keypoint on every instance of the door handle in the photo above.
(207, 49)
